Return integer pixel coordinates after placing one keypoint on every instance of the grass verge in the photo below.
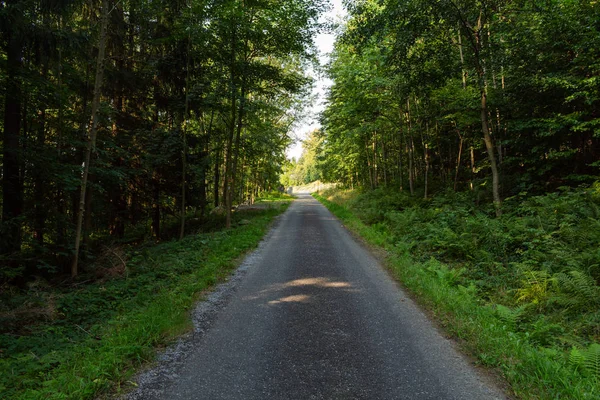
(486, 329)
(100, 332)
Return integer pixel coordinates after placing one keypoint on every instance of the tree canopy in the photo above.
(499, 97)
(120, 116)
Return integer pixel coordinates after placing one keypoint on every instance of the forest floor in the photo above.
(65, 339)
(519, 292)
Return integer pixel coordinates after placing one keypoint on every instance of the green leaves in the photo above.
(587, 359)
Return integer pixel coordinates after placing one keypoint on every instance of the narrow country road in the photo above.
(316, 317)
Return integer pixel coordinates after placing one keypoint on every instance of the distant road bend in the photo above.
(316, 317)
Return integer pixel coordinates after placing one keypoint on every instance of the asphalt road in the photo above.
(316, 317)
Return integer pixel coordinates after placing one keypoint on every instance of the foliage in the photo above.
(522, 289)
(87, 339)
(496, 97)
(195, 111)
(306, 169)
(587, 359)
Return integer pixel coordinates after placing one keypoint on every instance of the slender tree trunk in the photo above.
(91, 144)
(217, 178)
(477, 46)
(184, 142)
(12, 189)
(472, 168)
(460, 146)
(487, 138)
(228, 184)
(375, 174)
(384, 162)
(236, 148)
(410, 149)
(400, 145)
(426, 155)
(205, 165)
(39, 183)
(156, 206)
(61, 211)
(462, 61)
(87, 218)
(369, 166)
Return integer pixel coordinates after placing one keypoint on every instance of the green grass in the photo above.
(99, 333)
(472, 283)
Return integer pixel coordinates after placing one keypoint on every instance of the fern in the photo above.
(586, 360)
(576, 289)
(576, 357)
(509, 316)
(448, 276)
(543, 332)
(534, 288)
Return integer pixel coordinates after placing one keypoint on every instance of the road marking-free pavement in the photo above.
(314, 316)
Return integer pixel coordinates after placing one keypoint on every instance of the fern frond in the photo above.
(592, 359)
(509, 316)
(572, 341)
(587, 360)
(576, 357)
(534, 287)
(576, 289)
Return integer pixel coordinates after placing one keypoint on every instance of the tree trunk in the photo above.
(87, 218)
(12, 189)
(39, 184)
(369, 166)
(184, 140)
(472, 168)
(400, 144)
(375, 165)
(227, 184)
(236, 149)
(487, 138)
(462, 61)
(460, 146)
(217, 178)
(410, 147)
(91, 144)
(426, 155)
(156, 206)
(477, 46)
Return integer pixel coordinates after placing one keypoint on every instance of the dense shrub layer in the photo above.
(522, 290)
(85, 338)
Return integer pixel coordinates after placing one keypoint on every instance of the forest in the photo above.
(463, 137)
(499, 97)
(121, 117)
(130, 131)
(465, 140)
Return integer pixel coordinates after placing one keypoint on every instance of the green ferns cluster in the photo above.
(536, 267)
(586, 359)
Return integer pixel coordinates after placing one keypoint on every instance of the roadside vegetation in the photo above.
(520, 292)
(467, 133)
(64, 339)
(124, 126)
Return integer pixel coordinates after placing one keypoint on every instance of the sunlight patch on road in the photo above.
(299, 298)
(319, 282)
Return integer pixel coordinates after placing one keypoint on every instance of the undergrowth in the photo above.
(521, 290)
(79, 340)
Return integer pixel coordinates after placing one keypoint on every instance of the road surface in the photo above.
(315, 316)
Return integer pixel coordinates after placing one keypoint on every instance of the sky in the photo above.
(324, 42)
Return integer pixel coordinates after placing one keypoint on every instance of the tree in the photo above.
(448, 89)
